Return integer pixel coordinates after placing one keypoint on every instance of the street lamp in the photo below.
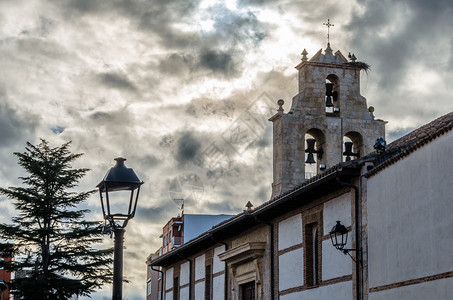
(119, 178)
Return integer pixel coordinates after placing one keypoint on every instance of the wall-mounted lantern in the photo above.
(339, 239)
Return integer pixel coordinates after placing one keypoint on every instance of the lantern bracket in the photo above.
(339, 239)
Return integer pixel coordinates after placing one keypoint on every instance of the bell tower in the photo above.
(328, 122)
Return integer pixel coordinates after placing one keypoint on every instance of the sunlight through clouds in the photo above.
(170, 86)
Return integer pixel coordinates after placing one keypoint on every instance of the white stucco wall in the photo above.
(439, 290)
(199, 267)
(291, 269)
(290, 232)
(341, 291)
(199, 290)
(410, 208)
(169, 278)
(334, 262)
(338, 209)
(218, 287)
(169, 296)
(183, 293)
(218, 265)
(184, 273)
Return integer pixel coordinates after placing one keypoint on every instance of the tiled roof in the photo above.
(426, 132)
(414, 140)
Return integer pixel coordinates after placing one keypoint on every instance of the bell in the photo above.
(348, 151)
(310, 146)
(310, 159)
(329, 88)
(310, 150)
(329, 101)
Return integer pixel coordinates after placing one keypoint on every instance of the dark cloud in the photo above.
(393, 38)
(118, 81)
(219, 62)
(238, 27)
(13, 127)
(188, 147)
(160, 17)
(150, 213)
(85, 6)
(177, 64)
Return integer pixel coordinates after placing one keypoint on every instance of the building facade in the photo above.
(180, 228)
(393, 202)
(409, 217)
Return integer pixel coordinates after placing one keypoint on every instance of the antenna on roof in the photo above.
(185, 189)
(328, 24)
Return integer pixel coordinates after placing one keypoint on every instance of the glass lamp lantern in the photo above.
(339, 236)
(119, 178)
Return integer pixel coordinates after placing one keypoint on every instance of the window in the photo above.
(207, 285)
(248, 291)
(148, 288)
(311, 254)
(1, 259)
(175, 288)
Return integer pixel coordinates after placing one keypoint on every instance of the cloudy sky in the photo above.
(183, 90)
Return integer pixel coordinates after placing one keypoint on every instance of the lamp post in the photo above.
(119, 179)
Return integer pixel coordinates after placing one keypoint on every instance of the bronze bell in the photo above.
(348, 151)
(329, 94)
(329, 101)
(310, 150)
(310, 159)
(329, 88)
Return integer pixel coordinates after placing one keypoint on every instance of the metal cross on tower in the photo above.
(328, 24)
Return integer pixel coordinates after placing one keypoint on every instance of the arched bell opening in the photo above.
(332, 99)
(352, 146)
(314, 152)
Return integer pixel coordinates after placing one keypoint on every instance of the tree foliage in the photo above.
(53, 245)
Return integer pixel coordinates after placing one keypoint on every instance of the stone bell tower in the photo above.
(328, 122)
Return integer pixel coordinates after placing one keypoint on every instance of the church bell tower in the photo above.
(329, 121)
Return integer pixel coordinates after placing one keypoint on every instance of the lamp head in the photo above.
(119, 178)
(339, 236)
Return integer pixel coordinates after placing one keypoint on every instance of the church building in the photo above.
(349, 217)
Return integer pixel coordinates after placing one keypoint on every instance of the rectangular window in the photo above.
(207, 285)
(311, 254)
(176, 288)
(148, 288)
(248, 291)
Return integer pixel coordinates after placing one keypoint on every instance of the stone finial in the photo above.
(249, 205)
(328, 51)
(353, 58)
(371, 110)
(280, 103)
(304, 55)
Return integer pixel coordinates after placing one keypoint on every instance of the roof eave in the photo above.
(278, 206)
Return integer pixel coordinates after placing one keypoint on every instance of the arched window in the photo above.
(332, 94)
(352, 146)
(314, 152)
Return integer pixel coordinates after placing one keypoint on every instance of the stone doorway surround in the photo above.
(245, 265)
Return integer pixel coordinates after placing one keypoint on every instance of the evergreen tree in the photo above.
(52, 243)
